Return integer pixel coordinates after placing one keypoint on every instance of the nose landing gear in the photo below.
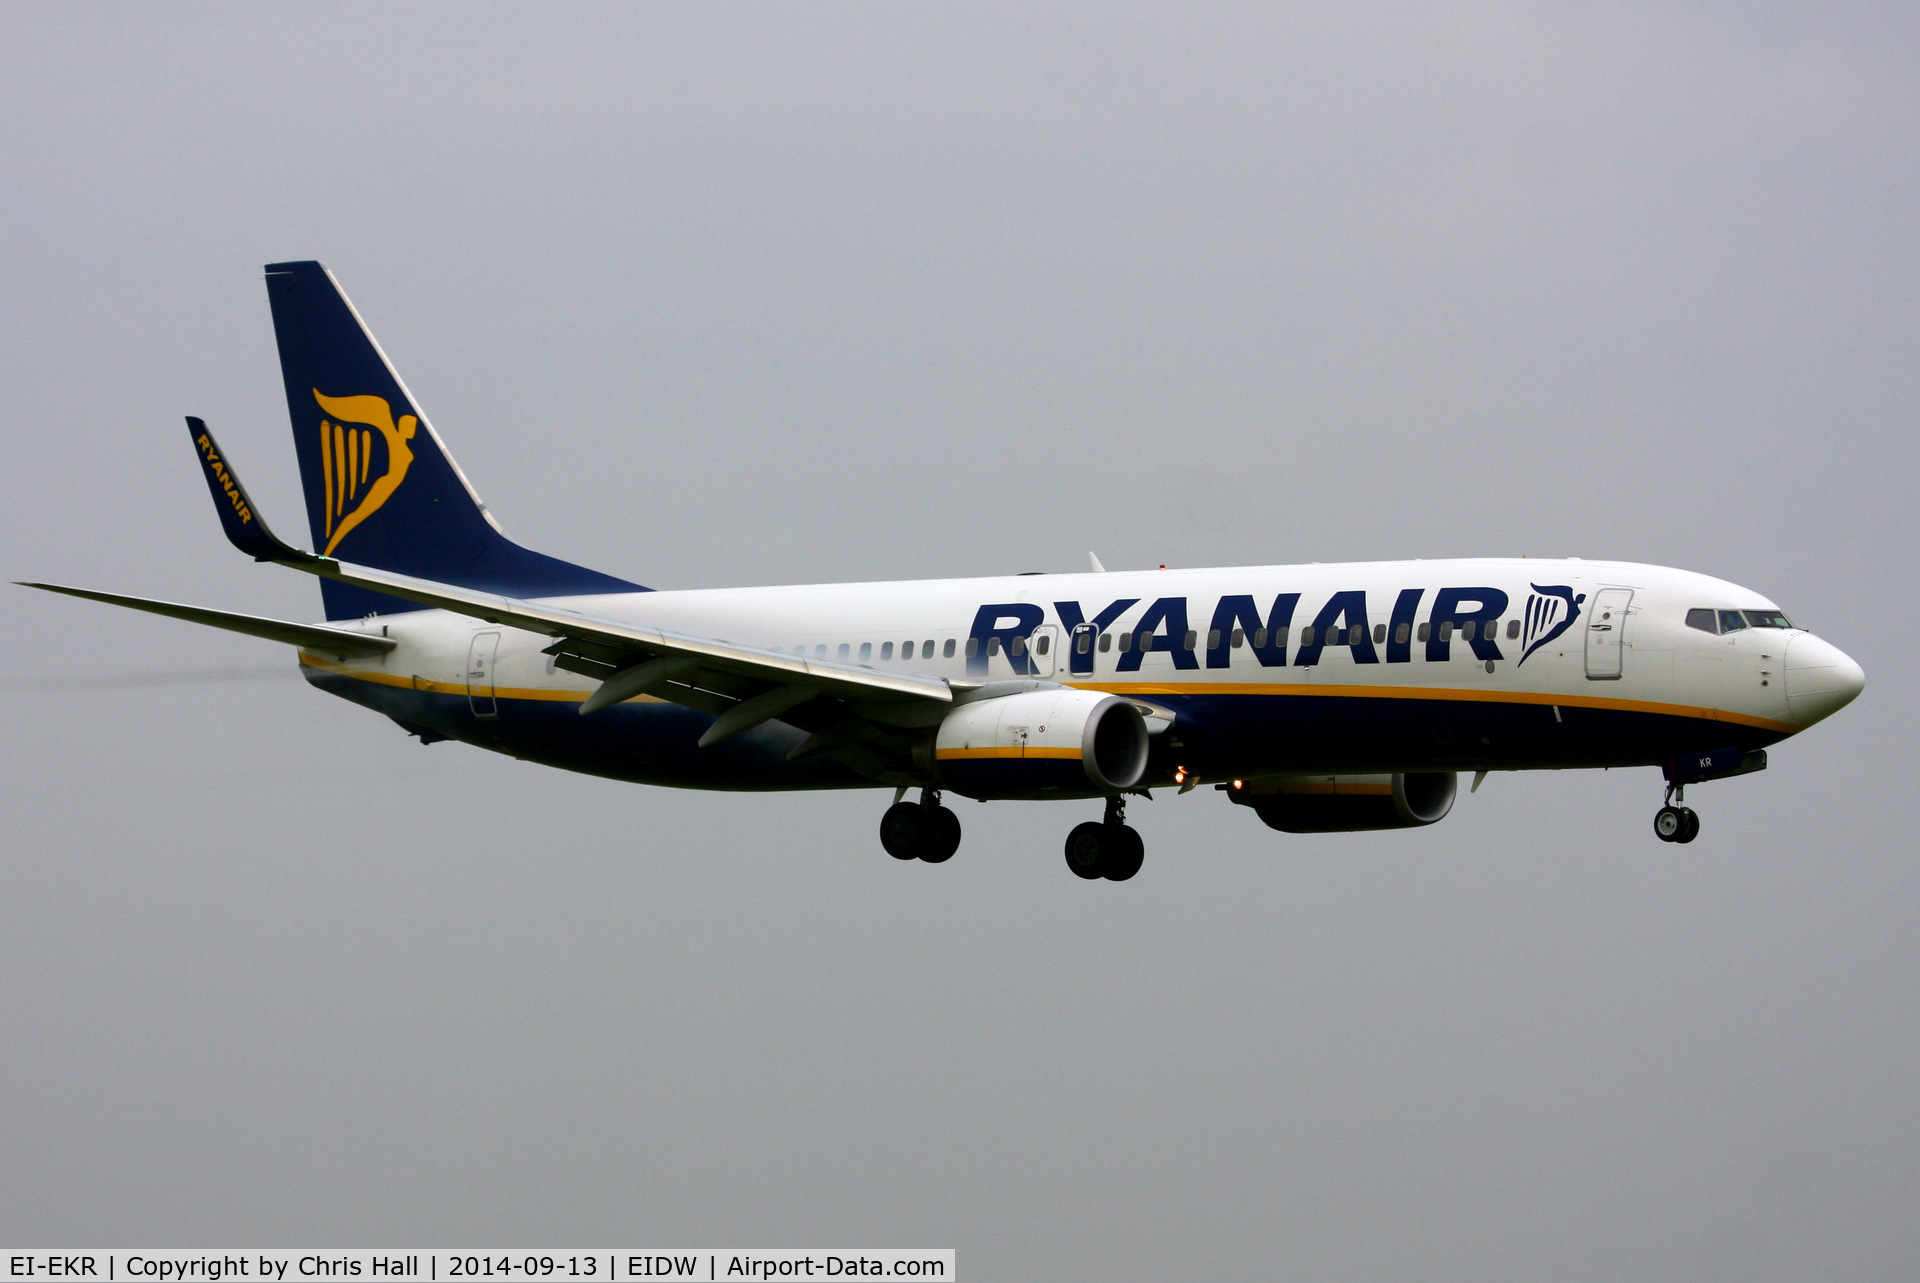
(1109, 849)
(923, 830)
(1675, 823)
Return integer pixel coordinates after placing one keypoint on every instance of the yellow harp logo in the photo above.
(346, 459)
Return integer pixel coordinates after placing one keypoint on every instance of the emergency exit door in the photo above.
(1607, 633)
(1043, 650)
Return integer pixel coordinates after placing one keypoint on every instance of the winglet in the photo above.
(238, 517)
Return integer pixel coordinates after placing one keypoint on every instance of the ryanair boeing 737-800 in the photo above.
(1322, 697)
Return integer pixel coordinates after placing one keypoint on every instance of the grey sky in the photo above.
(704, 295)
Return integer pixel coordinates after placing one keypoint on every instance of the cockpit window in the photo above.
(1732, 621)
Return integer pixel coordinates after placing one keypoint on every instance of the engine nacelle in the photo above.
(1044, 743)
(1348, 803)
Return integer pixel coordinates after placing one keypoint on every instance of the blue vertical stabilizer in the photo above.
(381, 489)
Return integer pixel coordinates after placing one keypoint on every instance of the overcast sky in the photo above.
(702, 296)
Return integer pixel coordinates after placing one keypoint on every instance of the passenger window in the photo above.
(1106, 642)
(886, 652)
(1018, 646)
(906, 650)
(1191, 638)
(1379, 633)
(1260, 639)
(1040, 644)
(993, 645)
(1513, 628)
(820, 651)
(1424, 630)
(1239, 638)
(1466, 630)
(1126, 642)
(1731, 622)
(926, 649)
(1213, 639)
(1306, 635)
(1402, 631)
(843, 649)
(948, 649)
(1082, 643)
(973, 647)
(1356, 635)
(866, 651)
(1446, 631)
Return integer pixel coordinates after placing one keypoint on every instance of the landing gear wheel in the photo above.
(903, 830)
(1122, 853)
(923, 830)
(1669, 822)
(1084, 848)
(942, 837)
(1690, 825)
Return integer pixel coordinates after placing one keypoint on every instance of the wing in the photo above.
(743, 685)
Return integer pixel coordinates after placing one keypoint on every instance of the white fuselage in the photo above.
(1389, 664)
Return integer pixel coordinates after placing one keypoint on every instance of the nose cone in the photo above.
(1821, 679)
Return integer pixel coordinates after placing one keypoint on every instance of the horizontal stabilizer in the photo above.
(333, 641)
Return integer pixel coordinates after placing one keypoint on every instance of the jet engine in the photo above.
(1347, 803)
(1042, 744)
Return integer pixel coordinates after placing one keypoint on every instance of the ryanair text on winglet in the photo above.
(226, 478)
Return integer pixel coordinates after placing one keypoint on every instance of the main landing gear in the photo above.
(1672, 823)
(1108, 849)
(923, 830)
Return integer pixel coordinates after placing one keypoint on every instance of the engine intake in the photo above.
(1044, 743)
(1350, 803)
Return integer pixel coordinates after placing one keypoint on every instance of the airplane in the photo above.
(1323, 698)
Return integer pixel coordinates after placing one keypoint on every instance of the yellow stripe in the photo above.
(1440, 693)
(1157, 688)
(366, 455)
(948, 754)
(353, 462)
(311, 660)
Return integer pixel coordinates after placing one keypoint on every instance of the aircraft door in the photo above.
(481, 657)
(1080, 645)
(1607, 633)
(1043, 650)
